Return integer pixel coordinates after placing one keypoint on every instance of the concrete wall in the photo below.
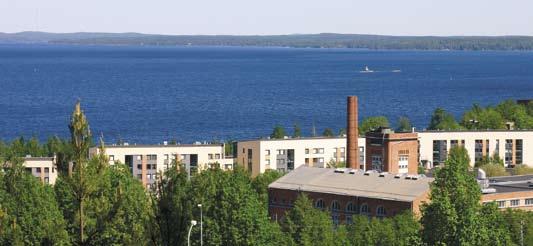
(506, 197)
(43, 168)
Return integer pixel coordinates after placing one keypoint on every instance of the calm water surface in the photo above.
(152, 94)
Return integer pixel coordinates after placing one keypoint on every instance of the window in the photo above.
(281, 151)
(306, 151)
(46, 180)
(335, 206)
(319, 204)
(377, 162)
(515, 203)
(478, 150)
(440, 151)
(365, 209)
(320, 160)
(381, 211)
(518, 147)
(38, 169)
(529, 201)
(321, 151)
(501, 204)
(166, 157)
(154, 166)
(403, 161)
(350, 208)
(139, 166)
(111, 157)
(267, 161)
(349, 219)
(508, 152)
(267, 152)
(151, 157)
(210, 156)
(46, 169)
(139, 157)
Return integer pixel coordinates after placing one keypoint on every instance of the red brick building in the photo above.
(392, 152)
(346, 192)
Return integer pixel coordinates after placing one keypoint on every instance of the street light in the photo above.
(193, 223)
(201, 225)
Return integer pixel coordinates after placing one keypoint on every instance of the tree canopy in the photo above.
(373, 123)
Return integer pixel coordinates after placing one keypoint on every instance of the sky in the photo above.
(266, 17)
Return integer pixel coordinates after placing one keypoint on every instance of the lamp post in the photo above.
(201, 225)
(193, 223)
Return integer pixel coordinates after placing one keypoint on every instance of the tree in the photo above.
(442, 120)
(482, 118)
(404, 124)
(261, 182)
(454, 211)
(297, 131)
(278, 132)
(29, 213)
(342, 132)
(511, 111)
(373, 123)
(328, 133)
(306, 225)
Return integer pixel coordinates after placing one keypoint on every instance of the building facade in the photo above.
(392, 152)
(147, 161)
(260, 155)
(514, 192)
(514, 147)
(43, 168)
(347, 192)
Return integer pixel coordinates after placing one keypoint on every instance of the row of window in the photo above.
(148, 166)
(513, 202)
(38, 169)
(213, 156)
(149, 176)
(351, 208)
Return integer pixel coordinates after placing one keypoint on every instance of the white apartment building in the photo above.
(146, 161)
(259, 155)
(514, 147)
(43, 168)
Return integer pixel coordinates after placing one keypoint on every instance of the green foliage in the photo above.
(442, 120)
(306, 225)
(372, 123)
(29, 214)
(278, 132)
(455, 211)
(497, 117)
(328, 132)
(404, 124)
(335, 164)
(421, 170)
(494, 170)
(402, 230)
(342, 132)
(522, 170)
(517, 222)
(297, 131)
(488, 160)
(261, 182)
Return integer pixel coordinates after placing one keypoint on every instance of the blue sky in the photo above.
(407, 17)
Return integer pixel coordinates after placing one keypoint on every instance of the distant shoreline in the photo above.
(315, 41)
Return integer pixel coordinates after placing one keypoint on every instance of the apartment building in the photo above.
(43, 168)
(287, 154)
(345, 192)
(147, 161)
(514, 147)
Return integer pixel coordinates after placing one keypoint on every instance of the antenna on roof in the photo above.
(313, 130)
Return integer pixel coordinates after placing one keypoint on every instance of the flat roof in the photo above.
(515, 183)
(326, 180)
(159, 145)
(473, 131)
(38, 158)
(293, 138)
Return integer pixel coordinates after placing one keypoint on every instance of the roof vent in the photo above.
(397, 176)
(353, 171)
(340, 170)
(488, 190)
(383, 174)
(28, 156)
(408, 177)
(367, 173)
(414, 177)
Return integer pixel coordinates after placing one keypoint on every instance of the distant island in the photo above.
(322, 40)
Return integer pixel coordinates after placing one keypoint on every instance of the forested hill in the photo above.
(324, 40)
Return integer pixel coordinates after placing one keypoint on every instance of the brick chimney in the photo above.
(352, 131)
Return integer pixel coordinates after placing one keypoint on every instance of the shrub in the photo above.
(494, 170)
(522, 170)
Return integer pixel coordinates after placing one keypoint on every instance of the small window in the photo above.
(515, 203)
(350, 208)
(217, 156)
(139, 166)
(139, 157)
(365, 209)
(529, 201)
(47, 180)
(46, 170)
(166, 156)
(381, 211)
(306, 151)
(38, 169)
(319, 204)
(210, 156)
(111, 157)
(501, 204)
(267, 152)
(335, 206)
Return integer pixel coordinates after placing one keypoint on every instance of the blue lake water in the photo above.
(152, 94)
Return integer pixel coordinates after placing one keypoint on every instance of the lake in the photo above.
(152, 94)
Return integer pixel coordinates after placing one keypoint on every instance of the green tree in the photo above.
(328, 133)
(511, 111)
(454, 210)
(261, 182)
(404, 124)
(278, 132)
(306, 225)
(342, 132)
(482, 118)
(442, 120)
(372, 123)
(518, 222)
(297, 131)
(29, 214)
